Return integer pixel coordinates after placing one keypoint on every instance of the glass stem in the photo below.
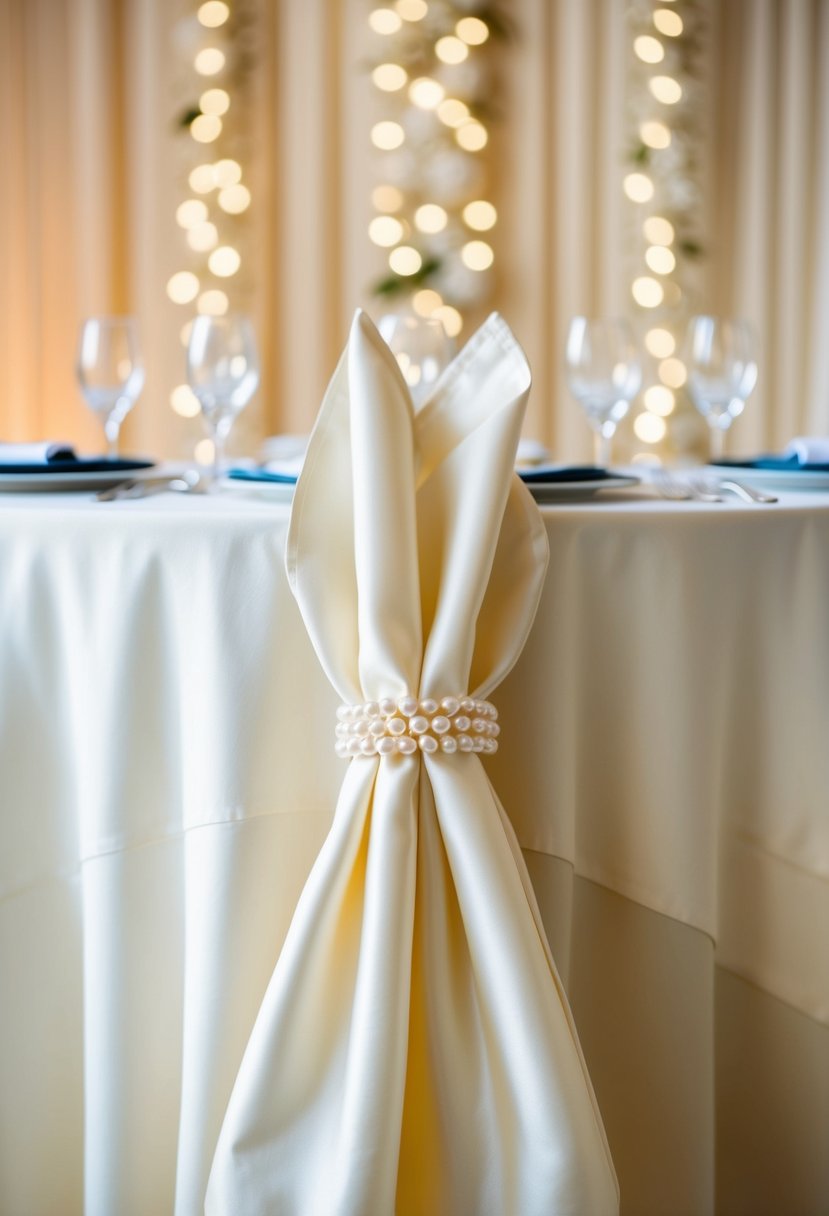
(717, 443)
(601, 449)
(218, 456)
(111, 429)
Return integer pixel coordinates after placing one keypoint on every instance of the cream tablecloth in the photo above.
(167, 784)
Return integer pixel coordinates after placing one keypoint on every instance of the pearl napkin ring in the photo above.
(388, 727)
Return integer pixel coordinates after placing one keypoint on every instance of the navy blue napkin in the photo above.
(772, 464)
(66, 465)
(564, 474)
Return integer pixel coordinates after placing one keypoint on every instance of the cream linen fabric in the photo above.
(414, 1053)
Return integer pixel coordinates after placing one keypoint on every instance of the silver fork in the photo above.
(747, 493)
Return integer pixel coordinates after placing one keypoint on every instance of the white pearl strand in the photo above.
(402, 727)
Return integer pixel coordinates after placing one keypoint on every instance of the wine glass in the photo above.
(110, 371)
(422, 348)
(223, 372)
(720, 356)
(603, 374)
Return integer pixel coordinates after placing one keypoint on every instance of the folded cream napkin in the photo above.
(414, 1052)
(809, 450)
(35, 453)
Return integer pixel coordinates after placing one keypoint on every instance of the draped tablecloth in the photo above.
(167, 785)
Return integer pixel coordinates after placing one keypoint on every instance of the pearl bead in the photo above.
(449, 744)
(440, 725)
(386, 745)
(429, 706)
(462, 722)
(478, 725)
(361, 726)
(428, 743)
(464, 743)
(418, 724)
(377, 727)
(372, 709)
(495, 730)
(341, 748)
(343, 712)
(468, 705)
(368, 747)
(490, 746)
(396, 725)
(341, 729)
(353, 746)
(407, 706)
(451, 705)
(477, 744)
(406, 745)
(387, 707)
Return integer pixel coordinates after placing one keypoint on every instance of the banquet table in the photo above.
(169, 776)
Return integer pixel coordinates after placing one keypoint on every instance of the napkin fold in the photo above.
(414, 1053)
(809, 450)
(35, 453)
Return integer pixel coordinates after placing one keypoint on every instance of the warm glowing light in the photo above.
(387, 135)
(647, 292)
(212, 303)
(658, 230)
(426, 93)
(387, 198)
(204, 451)
(673, 372)
(648, 49)
(426, 302)
(191, 212)
(224, 261)
(214, 101)
(234, 199)
(451, 318)
(660, 400)
(202, 179)
(452, 112)
(384, 230)
(389, 77)
(205, 128)
(668, 22)
(430, 218)
(213, 13)
(659, 259)
(655, 134)
(477, 255)
(665, 89)
(660, 342)
(202, 237)
(384, 21)
(472, 31)
(451, 49)
(182, 287)
(480, 215)
(184, 401)
(472, 136)
(412, 10)
(209, 61)
(405, 260)
(649, 428)
(227, 172)
(638, 187)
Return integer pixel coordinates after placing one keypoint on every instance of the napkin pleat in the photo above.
(414, 1054)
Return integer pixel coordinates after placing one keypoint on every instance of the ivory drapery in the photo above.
(93, 173)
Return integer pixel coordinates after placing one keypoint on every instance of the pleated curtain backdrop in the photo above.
(94, 175)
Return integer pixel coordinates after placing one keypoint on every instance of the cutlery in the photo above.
(747, 493)
(682, 491)
(190, 481)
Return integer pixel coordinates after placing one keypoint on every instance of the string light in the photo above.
(212, 218)
(664, 191)
(428, 202)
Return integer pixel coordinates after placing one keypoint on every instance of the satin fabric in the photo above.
(414, 1053)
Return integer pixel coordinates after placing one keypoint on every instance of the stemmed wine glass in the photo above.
(604, 374)
(110, 371)
(422, 348)
(223, 372)
(720, 356)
